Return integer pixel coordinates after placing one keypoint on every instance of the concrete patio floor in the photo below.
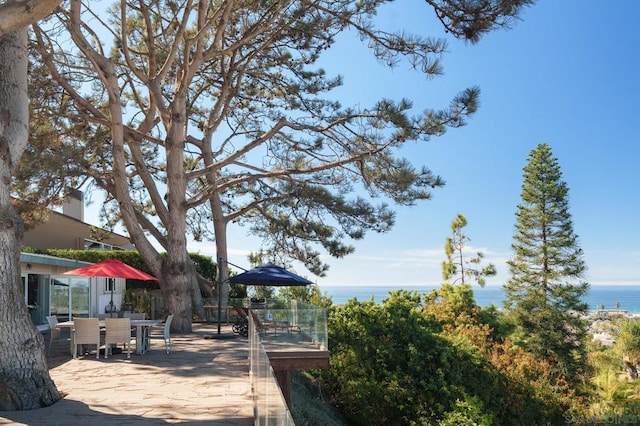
(202, 381)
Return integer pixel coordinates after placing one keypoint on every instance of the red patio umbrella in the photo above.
(111, 268)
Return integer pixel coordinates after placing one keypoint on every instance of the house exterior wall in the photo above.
(45, 288)
(43, 284)
(65, 232)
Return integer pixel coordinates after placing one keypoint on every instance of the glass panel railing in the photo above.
(294, 326)
(306, 326)
(297, 322)
(305, 321)
(269, 405)
(312, 321)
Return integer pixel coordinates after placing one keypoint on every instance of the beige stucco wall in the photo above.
(64, 232)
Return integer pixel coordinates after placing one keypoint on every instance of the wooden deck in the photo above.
(292, 351)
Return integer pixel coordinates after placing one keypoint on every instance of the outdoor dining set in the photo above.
(104, 328)
(110, 332)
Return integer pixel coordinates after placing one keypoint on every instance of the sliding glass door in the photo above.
(70, 297)
(36, 296)
(80, 297)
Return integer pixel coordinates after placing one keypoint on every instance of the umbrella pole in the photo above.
(111, 284)
(220, 283)
(219, 296)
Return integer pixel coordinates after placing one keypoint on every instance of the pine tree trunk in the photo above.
(220, 228)
(179, 286)
(178, 291)
(25, 382)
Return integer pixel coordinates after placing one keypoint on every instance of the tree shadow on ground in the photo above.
(64, 411)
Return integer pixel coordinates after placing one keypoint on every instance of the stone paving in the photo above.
(202, 381)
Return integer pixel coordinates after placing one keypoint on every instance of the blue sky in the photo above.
(566, 74)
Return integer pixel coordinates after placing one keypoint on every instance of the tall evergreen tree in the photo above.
(544, 292)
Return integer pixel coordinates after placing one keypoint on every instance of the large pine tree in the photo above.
(544, 293)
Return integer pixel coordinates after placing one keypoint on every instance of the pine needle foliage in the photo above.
(546, 285)
(459, 266)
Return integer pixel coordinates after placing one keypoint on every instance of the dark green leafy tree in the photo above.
(388, 365)
(467, 412)
(308, 294)
(627, 346)
(216, 112)
(544, 293)
(615, 393)
(453, 306)
(434, 360)
(459, 267)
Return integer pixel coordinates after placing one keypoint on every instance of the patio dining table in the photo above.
(143, 342)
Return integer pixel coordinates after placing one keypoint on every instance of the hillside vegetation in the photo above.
(438, 358)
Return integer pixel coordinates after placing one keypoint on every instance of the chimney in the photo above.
(74, 207)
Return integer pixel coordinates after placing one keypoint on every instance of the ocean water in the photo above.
(627, 296)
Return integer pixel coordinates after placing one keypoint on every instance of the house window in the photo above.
(96, 245)
(109, 285)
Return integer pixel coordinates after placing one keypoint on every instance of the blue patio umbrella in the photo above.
(269, 275)
(265, 275)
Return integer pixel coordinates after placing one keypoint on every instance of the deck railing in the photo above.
(307, 321)
(269, 405)
(298, 325)
(295, 323)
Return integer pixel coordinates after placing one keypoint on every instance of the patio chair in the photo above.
(166, 333)
(86, 331)
(241, 325)
(54, 332)
(264, 326)
(117, 330)
(134, 316)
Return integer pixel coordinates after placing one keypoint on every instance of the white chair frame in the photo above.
(86, 331)
(117, 330)
(54, 332)
(166, 333)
